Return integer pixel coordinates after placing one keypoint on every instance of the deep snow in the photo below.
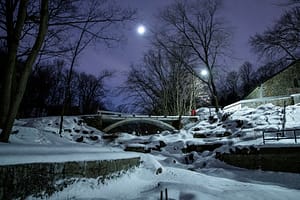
(197, 177)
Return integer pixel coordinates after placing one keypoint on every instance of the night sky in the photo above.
(244, 17)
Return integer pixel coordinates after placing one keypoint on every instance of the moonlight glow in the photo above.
(204, 72)
(141, 30)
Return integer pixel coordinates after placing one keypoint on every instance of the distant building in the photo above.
(282, 88)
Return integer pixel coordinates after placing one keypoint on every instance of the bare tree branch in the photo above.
(194, 25)
(282, 41)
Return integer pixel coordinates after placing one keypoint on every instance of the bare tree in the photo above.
(24, 25)
(92, 24)
(40, 83)
(91, 91)
(15, 14)
(231, 89)
(45, 87)
(290, 3)
(246, 74)
(195, 25)
(57, 74)
(282, 41)
(161, 84)
(232, 80)
(146, 82)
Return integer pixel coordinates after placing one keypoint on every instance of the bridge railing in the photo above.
(110, 114)
(104, 112)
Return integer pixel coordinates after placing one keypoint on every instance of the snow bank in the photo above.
(191, 175)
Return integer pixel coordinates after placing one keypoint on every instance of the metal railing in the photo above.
(109, 114)
(281, 135)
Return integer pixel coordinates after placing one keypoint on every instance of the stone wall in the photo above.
(254, 103)
(20, 181)
(284, 159)
(286, 82)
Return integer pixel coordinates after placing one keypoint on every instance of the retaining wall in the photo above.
(38, 179)
(284, 159)
(254, 103)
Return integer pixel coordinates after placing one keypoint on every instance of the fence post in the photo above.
(162, 194)
(166, 191)
(264, 137)
(295, 136)
(284, 118)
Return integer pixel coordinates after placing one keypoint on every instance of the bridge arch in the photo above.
(157, 123)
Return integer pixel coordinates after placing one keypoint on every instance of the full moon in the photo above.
(204, 72)
(141, 30)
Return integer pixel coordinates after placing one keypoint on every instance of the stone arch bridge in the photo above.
(109, 122)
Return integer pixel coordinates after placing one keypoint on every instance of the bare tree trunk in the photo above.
(214, 94)
(20, 90)
(13, 35)
(69, 78)
(192, 97)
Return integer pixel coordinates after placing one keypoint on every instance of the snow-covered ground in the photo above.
(186, 176)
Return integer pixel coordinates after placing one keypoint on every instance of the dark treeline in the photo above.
(44, 94)
(236, 85)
